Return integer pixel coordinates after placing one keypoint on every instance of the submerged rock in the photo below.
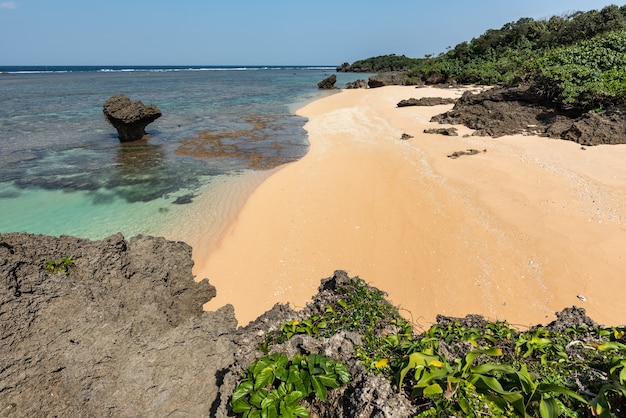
(129, 118)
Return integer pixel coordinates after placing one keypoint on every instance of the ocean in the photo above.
(63, 170)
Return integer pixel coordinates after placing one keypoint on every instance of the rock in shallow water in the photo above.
(128, 117)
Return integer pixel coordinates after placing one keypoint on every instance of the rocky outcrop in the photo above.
(519, 110)
(129, 118)
(357, 84)
(121, 333)
(426, 101)
(390, 79)
(365, 396)
(328, 82)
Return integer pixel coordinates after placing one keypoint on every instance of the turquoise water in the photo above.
(63, 170)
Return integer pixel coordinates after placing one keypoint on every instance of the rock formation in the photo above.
(328, 82)
(519, 110)
(122, 333)
(358, 84)
(426, 101)
(390, 79)
(129, 118)
(442, 131)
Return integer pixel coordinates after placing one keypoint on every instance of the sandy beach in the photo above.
(520, 230)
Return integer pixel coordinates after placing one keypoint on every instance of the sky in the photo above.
(250, 32)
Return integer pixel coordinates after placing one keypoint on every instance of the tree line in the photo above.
(575, 60)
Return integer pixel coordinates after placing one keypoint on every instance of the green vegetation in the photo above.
(491, 370)
(273, 386)
(383, 63)
(575, 60)
(58, 266)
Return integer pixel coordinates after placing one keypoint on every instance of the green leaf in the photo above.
(487, 382)
(300, 411)
(320, 389)
(241, 391)
(240, 406)
(257, 397)
(329, 380)
(271, 401)
(264, 378)
(342, 372)
(294, 397)
(432, 391)
(551, 388)
(548, 408)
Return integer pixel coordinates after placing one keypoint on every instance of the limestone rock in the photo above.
(358, 84)
(328, 82)
(426, 101)
(128, 117)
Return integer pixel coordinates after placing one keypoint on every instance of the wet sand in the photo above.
(520, 230)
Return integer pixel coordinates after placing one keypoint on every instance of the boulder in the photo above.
(358, 84)
(426, 101)
(328, 82)
(390, 79)
(129, 118)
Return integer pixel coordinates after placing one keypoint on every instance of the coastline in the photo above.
(515, 233)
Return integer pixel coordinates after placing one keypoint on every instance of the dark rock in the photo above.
(344, 68)
(573, 317)
(129, 118)
(520, 110)
(328, 82)
(607, 127)
(184, 200)
(436, 79)
(390, 79)
(442, 131)
(406, 136)
(358, 84)
(426, 101)
(471, 151)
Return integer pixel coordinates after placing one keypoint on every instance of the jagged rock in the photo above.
(358, 84)
(389, 79)
(442, 131)
(122, 334)
(425, 101)
(344, 68)
(521, 110)
(328, 82)
(129, 118)
(471, 151)
(571, 318)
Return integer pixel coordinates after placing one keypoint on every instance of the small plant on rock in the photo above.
(58, 266)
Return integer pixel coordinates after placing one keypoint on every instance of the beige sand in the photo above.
(514, 233)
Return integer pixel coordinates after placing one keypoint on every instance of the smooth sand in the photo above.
(515, 233)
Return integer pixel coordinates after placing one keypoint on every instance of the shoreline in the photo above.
(515, 233)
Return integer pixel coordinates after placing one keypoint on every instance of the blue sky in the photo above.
(247, 32)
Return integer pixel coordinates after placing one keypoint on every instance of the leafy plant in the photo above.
(273, 386)
(59, 266)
